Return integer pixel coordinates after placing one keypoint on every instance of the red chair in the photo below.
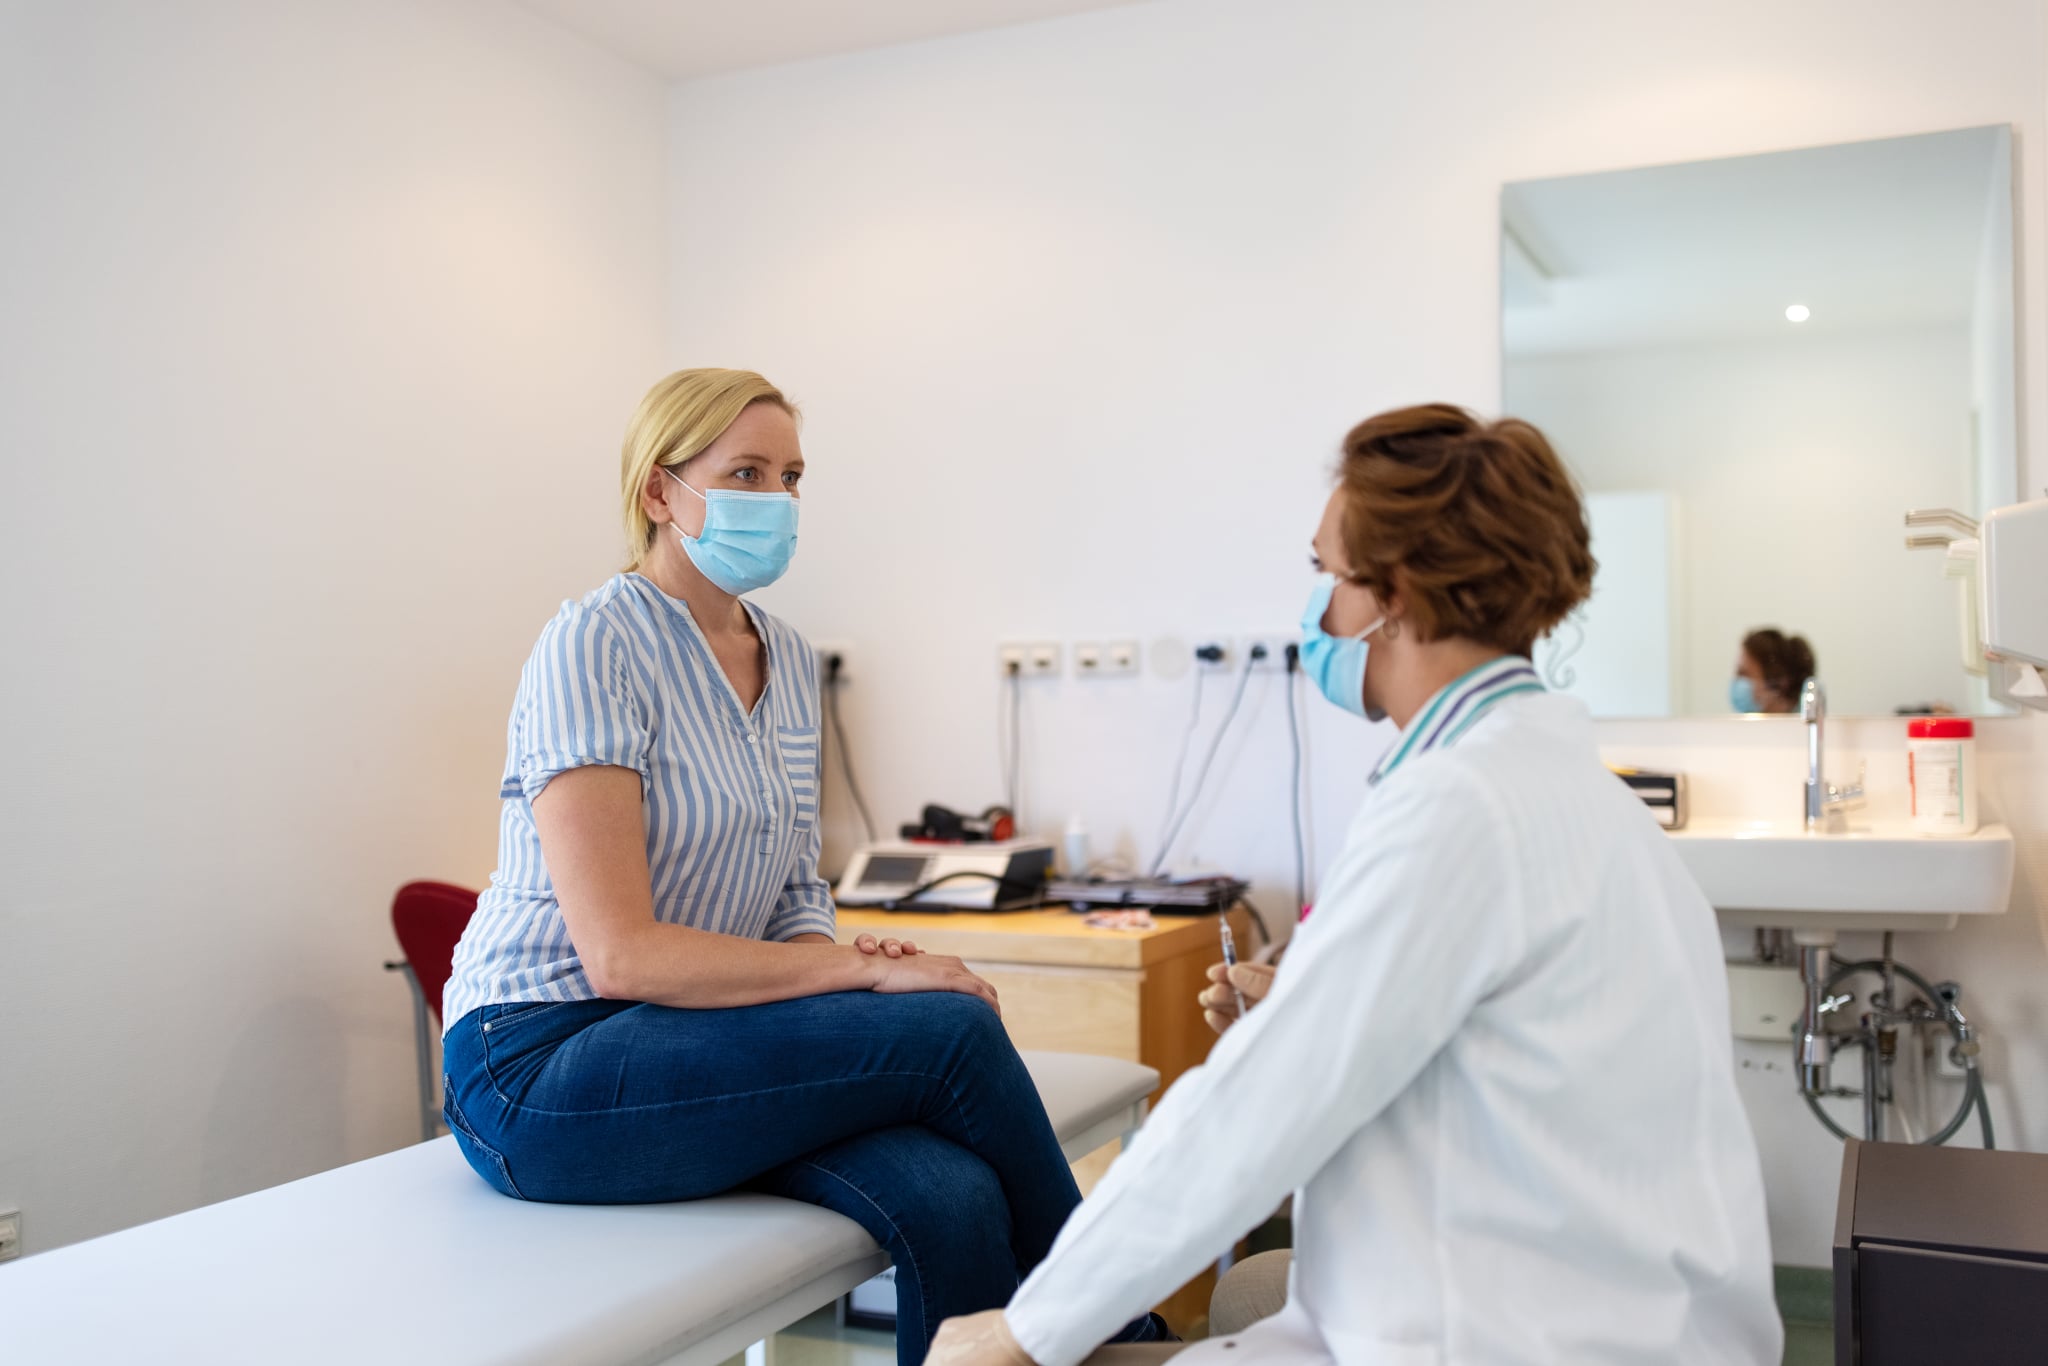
(428, 917)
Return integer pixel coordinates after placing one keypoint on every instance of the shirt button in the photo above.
(753, 739)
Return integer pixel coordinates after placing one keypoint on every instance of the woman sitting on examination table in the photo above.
(649, 1003)
(1494, 1066)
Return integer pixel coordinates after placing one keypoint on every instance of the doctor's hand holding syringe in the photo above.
(1230, 985)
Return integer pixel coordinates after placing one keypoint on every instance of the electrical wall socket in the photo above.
(1220, 656)
(1028, 658)
(10, 1234)
(1105, 659)
(1274, 658)
(825, 649)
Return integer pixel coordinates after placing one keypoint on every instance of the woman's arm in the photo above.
(593, 839)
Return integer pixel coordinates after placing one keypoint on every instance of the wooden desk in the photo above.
(1118, 993)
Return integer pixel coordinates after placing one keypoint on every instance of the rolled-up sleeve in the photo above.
(577, 708)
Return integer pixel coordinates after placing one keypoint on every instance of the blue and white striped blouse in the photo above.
(625, 677)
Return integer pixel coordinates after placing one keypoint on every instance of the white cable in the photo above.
(1187, 743)
(1244, 679)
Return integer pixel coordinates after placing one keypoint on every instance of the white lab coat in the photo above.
(1495, 1070)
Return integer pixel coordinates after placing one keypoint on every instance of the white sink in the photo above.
(1871, 876)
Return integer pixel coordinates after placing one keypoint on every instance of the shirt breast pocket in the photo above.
(800, 759)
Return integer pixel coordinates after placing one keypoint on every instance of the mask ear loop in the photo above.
(679, 479)
(685, 536)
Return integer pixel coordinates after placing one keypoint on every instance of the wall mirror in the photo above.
(1756, 367)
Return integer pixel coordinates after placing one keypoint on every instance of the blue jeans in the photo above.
(910, 1114)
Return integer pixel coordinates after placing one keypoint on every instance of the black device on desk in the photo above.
(988, 875)
(1195, 896)
(1941, 1255)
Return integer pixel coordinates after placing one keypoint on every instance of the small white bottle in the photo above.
(1075, 844)
(1941, 775)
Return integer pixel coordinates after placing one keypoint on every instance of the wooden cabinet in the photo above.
(1117, 993)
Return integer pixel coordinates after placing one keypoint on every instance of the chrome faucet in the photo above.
(1823, 798)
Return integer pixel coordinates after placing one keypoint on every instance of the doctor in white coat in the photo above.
(1494, 1065)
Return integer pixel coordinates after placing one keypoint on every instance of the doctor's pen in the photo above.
(1229, 962)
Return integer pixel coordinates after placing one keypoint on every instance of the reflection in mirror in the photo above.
(1756, 367)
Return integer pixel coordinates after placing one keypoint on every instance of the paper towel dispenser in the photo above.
(2013, 564)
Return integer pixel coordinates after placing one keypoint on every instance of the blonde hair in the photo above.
(680, 416)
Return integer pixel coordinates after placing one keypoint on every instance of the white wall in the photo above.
(319, 324)
(1080, 311)
(1793, 462)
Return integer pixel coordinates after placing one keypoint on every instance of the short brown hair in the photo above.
(1477, 526)
(1786, 662)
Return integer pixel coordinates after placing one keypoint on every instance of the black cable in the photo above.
(832, 684)
(1258, 921)
(1244, 679)
(1013, 767)
(896, 903)
(1294, 780)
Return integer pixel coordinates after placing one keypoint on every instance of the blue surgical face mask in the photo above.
(1336, 663)
(1742, 694)
(749, 538)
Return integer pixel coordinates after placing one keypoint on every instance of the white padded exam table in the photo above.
(409, 1257)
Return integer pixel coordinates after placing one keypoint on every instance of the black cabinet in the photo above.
(1941, 1256)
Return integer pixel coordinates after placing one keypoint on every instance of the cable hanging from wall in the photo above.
(1177, 822)
(835, 668)
(1294, 778)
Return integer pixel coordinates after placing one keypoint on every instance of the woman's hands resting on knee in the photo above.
(888, 948)
(915, 971)
(928, 972)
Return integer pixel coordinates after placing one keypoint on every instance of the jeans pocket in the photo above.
(519, 1012)
(483, 1159)
(799, 747)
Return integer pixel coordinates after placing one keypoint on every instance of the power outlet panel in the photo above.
(10, 1234)
(1215, 655)
(1106, 659)
(1028, 658)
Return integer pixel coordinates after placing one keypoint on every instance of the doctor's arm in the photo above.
(1415, 925)
(593, 839)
